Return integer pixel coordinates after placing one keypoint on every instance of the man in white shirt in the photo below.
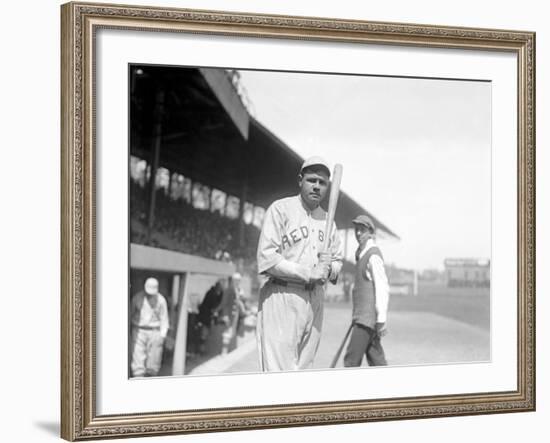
(370, 299)
(149, 320)
(290, 314)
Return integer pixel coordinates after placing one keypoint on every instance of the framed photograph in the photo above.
(277, 221)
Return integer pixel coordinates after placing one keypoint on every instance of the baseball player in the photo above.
(370, 299)
(290, 312)
(149, 319)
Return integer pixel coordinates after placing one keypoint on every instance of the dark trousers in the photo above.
(364, 341)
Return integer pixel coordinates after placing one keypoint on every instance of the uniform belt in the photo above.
(149, 328)
(306, 286)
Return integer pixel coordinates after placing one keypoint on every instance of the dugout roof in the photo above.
(201, 140)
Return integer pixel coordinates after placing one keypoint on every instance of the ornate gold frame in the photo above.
(79, 420)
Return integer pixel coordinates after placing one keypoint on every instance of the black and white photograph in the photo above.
(288, 221)
(272, 219)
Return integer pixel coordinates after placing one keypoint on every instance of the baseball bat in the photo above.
(337, 356)
(332, 202)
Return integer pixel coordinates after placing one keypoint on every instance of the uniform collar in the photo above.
(306, 208)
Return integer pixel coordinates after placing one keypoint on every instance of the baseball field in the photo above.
(440, 325)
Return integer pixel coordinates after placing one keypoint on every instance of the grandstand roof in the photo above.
(201, 141)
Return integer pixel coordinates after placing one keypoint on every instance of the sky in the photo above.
(416, 153)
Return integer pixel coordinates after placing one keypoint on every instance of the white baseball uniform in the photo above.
(290, 314)
(149, 328)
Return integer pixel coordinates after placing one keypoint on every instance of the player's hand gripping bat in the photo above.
(332, 203)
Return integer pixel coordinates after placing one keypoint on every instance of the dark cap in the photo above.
(365, 221)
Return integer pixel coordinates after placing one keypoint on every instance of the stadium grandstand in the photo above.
(202, 172)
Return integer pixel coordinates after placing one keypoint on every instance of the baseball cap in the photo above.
(364, 220)
(151, 286)
(313, 161)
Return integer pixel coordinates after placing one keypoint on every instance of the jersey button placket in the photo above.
(313, 254)
(311, 250)
(312, 241)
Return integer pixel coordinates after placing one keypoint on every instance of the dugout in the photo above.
(181, 277)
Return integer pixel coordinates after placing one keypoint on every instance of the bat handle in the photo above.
(333, 202)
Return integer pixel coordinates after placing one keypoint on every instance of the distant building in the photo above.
(467, 272)
(402, 281)
(432, 276)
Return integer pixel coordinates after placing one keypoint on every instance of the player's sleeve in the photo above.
(381, 287)
(164, 321)
(337, 251)
(288, 270)
(268, 254)
(270, 259)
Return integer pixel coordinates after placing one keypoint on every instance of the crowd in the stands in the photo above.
(181, 227)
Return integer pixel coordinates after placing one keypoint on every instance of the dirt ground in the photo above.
(440, 325)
